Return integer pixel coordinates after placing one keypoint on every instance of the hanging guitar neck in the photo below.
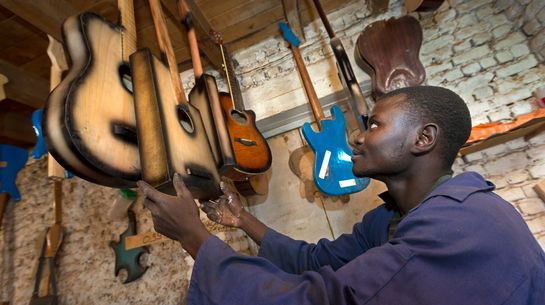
(167, 49)
(232, 82)
(356, 100)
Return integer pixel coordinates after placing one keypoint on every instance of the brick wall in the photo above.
(529, 16)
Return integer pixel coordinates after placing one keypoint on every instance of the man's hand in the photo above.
(176, 217)
(227, 209)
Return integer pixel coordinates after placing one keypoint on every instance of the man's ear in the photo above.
(426, 139)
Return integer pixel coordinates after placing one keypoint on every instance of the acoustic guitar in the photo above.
(171, 133)
(394, 62)
(332, 165)
(89, 122)
(252, 152)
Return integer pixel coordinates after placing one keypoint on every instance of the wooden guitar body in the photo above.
(333, 164)
(422, 5)
(204, 96)
(171, 136)
(252, 153)
(89, 123)
(389, 50)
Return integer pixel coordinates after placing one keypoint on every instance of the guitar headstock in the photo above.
(216, 36)
(288, 34)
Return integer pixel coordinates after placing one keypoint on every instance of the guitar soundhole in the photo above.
(185, 119)
(126, 77)
(238, 117)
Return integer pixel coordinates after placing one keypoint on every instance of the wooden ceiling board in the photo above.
(40, 67)
(248, 10)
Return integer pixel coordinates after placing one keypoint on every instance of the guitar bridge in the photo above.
(246, 142)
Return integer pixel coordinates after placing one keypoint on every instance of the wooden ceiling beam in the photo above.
(16, 124)
(203, 29)
(46, 15)
(23, 86)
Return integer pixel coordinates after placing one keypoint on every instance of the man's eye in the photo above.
(372, 125)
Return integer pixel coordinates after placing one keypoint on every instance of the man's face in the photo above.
(384, 149)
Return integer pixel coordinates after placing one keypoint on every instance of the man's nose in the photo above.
(356, 138)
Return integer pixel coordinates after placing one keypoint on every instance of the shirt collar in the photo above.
(457, 188)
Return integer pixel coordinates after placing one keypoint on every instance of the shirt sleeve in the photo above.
(297, 256)
(222, 276)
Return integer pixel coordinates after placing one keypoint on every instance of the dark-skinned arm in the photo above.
(176, 217)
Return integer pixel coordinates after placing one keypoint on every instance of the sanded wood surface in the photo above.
(92, 101)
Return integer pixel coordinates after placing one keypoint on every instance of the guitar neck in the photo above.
(126, 8)
(165, 45)
(356, 100)
(323, 16)
(187, 20)
(307, 84)
(232, 82)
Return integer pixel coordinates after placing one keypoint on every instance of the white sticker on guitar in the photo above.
(347, 183)
(325, 163)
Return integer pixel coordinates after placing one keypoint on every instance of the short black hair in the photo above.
(443, 107)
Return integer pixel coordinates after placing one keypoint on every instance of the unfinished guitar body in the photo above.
(204, 96)
(89, 122)
(388, 50)
(171, 135)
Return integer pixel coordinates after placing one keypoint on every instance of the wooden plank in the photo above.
(25, 50)
(260, 22)
(17, 126)
(46, 15)
(24, 87)
(245, 10)
(540, 189)
(13, 31)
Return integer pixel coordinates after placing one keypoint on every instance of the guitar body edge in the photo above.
(55, 131)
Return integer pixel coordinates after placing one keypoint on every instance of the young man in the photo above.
(437, 239)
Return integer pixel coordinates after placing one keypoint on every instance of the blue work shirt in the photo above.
(462, 244)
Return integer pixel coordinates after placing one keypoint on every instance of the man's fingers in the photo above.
(179, 186)
(150, 205)
(150, 192)
(226, 188)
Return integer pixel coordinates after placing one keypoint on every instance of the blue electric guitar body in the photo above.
(333, 164)
(40, 149)
(12, 160)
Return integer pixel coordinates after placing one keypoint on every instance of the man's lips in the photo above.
(355, 154)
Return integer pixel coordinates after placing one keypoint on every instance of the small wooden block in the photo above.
(540, 189)
(144, 239)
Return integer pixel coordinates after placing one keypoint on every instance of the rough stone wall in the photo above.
(85, 273)
(528, 15)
